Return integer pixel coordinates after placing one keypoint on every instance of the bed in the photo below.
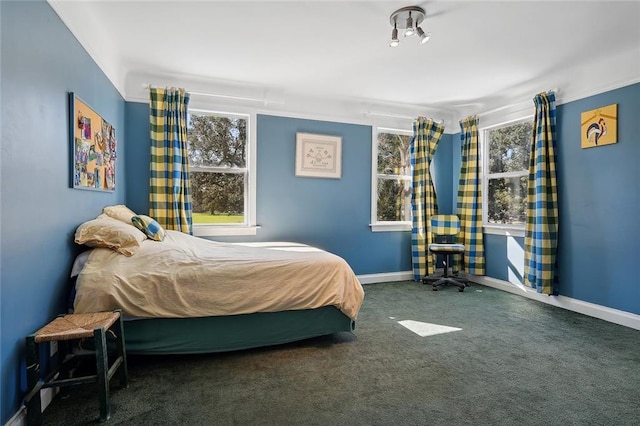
(185, 294)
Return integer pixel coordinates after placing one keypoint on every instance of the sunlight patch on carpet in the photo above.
(424, 329)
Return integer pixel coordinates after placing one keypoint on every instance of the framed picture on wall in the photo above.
(599, 126)
(318, 156)
(93, 148)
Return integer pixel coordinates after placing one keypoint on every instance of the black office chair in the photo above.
(445, 227)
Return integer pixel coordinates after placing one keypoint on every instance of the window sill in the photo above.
(503, 230)
(223, 231)
(390, 227)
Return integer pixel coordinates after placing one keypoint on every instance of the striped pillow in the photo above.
(149, 226)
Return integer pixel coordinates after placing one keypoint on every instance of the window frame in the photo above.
(376, 225)
(249, 226)
(492, 228)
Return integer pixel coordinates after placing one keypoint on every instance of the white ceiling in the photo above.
(482, 55)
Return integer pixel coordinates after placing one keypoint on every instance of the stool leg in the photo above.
(102, 368)
(33, 404)
(124, 372)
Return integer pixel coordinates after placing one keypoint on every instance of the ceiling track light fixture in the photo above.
(410, 18)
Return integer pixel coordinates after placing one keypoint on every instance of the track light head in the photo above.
(394, 36)
(409, 31)
(424, 37)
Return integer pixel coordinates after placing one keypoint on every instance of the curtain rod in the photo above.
(238, 98)
(404, 117)
(214, 95)
(492, 111)
(382, 114)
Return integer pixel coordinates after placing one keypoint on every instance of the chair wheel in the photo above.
(435, 288)
(461, 289)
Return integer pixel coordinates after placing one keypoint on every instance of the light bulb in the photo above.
(409, 31)
(424, 37)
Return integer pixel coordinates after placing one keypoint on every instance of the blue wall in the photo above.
(138, 151)
(504, 257)
(442, 172)
(599, 207)
(333, 214)
(599, 203)
(41, 63)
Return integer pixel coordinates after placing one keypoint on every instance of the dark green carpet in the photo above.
(515, 362)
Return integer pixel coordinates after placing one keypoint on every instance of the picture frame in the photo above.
(93, 148)
(318, 156)
(599, 127)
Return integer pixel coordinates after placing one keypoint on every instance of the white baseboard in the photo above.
(385, 277)
(615, 316)
(20, 418)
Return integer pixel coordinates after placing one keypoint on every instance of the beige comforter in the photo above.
(186, 276)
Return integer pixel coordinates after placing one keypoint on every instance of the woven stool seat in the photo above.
(75, 326)
(69, 329)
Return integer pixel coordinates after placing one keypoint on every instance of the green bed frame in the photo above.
(230, 333)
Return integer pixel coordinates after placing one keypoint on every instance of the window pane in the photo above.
(393, 154)
(217, 197)
(217, 141)
(507, 200)
(394, 200)
(509, 148)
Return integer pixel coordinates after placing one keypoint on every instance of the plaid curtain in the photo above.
(169, 187)
(469, 205)
(541, 230)
(426, 135)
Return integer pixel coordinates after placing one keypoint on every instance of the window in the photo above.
(506, 165)
(391, 207)
(220, 185)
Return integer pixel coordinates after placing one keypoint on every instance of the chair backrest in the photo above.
(445, 224)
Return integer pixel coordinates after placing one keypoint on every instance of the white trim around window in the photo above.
(382, 226)
(492, 228)
(249, 227)
(509, 231)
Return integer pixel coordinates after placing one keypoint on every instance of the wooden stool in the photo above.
(71, 327)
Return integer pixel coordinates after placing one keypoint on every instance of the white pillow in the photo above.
(120, 212)
(107, 232)
(78, 264)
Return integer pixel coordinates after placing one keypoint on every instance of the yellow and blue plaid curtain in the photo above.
(424, 204)
(169, 187)
(541, 230)
(469, 204)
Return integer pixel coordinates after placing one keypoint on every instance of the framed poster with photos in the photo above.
(93, 148)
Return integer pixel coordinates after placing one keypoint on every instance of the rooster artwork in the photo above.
(598, 126)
